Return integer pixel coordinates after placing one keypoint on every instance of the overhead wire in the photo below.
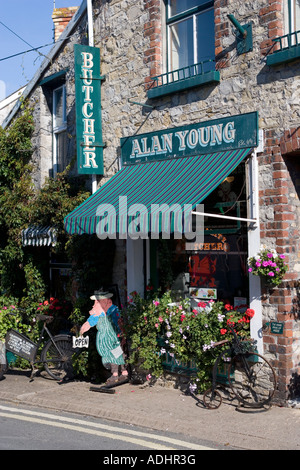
(23, 40)
(25, 52)
(33, 49)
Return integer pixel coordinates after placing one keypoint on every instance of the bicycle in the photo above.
(250, 376)
(56, 354)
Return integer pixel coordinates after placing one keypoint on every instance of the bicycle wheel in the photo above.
(253, 381)
(57, 357)
(212, 399)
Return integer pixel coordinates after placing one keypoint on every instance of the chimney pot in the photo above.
(61, 17)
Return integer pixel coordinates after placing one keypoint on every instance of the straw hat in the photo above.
(100, 295)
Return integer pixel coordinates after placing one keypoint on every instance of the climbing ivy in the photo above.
(21, 204)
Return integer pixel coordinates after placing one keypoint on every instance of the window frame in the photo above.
(57, 130)
(288, 44)
(192, 76)
(291, 5)
(172, 20)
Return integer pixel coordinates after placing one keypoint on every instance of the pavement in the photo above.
(161, 407)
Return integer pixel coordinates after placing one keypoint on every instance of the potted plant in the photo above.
(269, 265)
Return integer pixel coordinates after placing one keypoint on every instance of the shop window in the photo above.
(59, 129)
(190, 32)
(217, 268)
(288, 45)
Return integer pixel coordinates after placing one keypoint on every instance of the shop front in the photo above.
(186, 202)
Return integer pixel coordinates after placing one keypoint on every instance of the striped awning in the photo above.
(180, 181)
(38, 235)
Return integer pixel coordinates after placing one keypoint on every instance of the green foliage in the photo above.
(22, 273)
(15, 150)
(156, 326)
(10, 317)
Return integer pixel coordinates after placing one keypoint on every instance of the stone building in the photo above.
(211, 77)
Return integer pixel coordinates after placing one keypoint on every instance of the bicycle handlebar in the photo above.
(234, 339)
(224, 341)
(45, 318)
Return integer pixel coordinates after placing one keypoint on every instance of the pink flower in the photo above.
(282, 256)
(271, 273)
(258, 264)
(250, 270)
(156, 302)
(156, 325)
(160, 319)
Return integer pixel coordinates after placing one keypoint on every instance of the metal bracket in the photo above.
(243, 34)
(140, 104)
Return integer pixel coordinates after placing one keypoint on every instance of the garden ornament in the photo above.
(105, 315)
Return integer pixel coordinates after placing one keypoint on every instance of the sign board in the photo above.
(277, 327)
(20, 345)
(80, 341)
(88, 110)
(203, 293)
(218, 135)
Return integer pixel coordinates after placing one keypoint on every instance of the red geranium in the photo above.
(250, 312)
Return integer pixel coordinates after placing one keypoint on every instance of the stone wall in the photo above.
(131, 39)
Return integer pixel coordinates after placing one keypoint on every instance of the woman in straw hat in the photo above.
(105, 316)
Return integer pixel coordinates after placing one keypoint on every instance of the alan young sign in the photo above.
(234, 132)
(88, 110)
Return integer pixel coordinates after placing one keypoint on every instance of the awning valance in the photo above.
(180, 181)
(38, 235)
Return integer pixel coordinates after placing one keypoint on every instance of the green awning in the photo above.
(180, 181)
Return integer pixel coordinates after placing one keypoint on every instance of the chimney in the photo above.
(61, 17)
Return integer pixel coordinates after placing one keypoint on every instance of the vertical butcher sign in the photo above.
(88, 110)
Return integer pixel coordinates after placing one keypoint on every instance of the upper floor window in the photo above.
(191, 38)
(59, 129)
(291, 22)
(292, 16)
(287, 47)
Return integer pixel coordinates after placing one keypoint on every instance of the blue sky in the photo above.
(31, 20)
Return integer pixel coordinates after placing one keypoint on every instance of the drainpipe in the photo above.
(91, 44)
